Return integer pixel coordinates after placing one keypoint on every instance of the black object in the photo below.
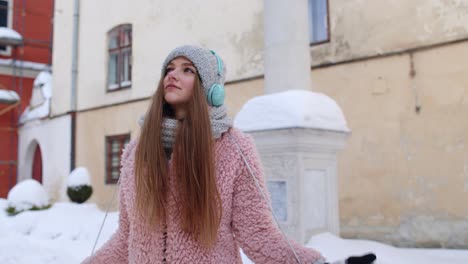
(364, 259)
(79, 194)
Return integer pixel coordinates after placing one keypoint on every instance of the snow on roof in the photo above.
(44, 80)
(8, 96)
(26, 194)
(25, 64)
(9, 36)
(36, 113)
(294, 108)
(78, 177)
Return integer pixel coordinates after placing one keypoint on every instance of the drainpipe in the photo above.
(74, 74)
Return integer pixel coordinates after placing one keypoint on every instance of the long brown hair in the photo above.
(193, 164)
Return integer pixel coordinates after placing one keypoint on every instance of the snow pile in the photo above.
(10, 34)
(78, 177)
(291, 109)
(335, 248)
(43, 82)
(66, 221)
(8, 96)
(66, 234)
(26, 195)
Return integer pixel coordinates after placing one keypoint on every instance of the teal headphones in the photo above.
(216, 93)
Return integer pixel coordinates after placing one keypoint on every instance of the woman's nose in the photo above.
(173, 74)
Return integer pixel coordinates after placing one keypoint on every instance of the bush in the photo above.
(11, 210)
(79, 185)
(25, 196)
(79, 194)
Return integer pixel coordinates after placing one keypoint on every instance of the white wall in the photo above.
(53, 137)
(62, 56)
(232, 28)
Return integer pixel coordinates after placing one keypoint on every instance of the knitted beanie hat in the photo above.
(204, 60)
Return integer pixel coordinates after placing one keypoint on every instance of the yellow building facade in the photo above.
(398, 70)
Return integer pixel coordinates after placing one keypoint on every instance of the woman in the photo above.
(186, 195)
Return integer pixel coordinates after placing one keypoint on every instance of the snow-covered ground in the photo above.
(66, 233)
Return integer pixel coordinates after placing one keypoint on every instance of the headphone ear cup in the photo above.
(216, 95)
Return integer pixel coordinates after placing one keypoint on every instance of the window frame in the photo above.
(123, 139)
(121, 50)
(7, 52)
(327, 40)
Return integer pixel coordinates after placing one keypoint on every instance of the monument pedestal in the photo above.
(300, 169)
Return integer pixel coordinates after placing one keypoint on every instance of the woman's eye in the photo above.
(168, 70)
(189, 70)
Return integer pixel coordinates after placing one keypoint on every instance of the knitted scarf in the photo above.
(220, 123)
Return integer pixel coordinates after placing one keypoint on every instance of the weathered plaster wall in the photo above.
(403, 173)
(363, 28)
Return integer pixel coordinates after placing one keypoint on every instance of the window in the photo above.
(279, 199)
(318, 21)
(114, 149)
(120, 58)
(4, 50)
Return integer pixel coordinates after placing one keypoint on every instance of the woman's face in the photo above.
(179, 81)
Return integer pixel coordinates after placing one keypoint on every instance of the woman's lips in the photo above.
(171, 86)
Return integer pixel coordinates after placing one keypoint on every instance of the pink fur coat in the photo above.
(246, 220)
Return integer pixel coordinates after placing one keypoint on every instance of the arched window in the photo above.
(37, 164)
(119, 73)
